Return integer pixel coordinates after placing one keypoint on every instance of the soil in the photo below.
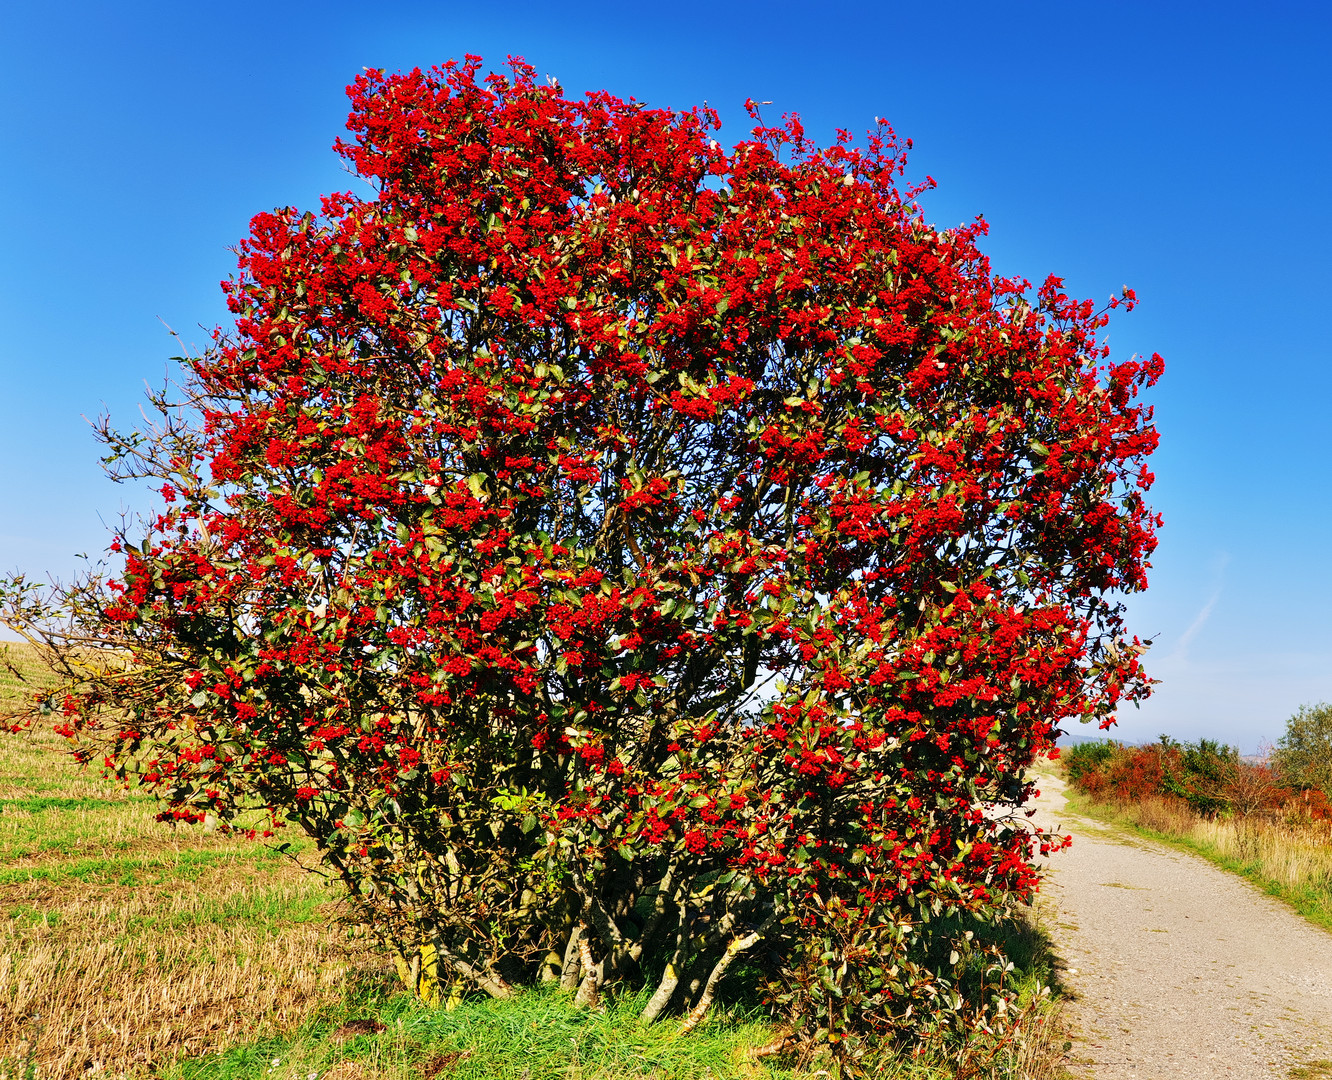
(1179, 970)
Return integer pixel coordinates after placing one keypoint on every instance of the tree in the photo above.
(1208, 769)
(1303, 755)
(622, 555)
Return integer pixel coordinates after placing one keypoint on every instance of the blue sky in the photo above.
(1180, 148)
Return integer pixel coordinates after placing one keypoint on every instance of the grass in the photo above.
(1291, 862)
(541, 1036)
(537, 1036)
(130, 948)
(126, 943)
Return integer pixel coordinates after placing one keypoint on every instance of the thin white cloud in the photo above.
(1181, 649)
(1180, 653)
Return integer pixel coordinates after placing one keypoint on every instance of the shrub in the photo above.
(1135, 773)
(1201, 774)
(622, 555)
(1308, 806)
(1207, 776)
(1082, 761)
(1253, 788)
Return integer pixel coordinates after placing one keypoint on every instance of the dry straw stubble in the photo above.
(126, 943)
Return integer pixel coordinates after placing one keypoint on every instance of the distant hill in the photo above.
(1072, 738)
(1075, 739)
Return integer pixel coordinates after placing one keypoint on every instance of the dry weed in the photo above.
(1293, 855)
(1163, 815)
(133, 943)
(1042, 1046)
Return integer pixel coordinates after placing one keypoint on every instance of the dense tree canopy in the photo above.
(623, 555)
(1303, 754)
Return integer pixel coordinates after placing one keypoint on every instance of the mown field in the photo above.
(126, 943)
(132, 948)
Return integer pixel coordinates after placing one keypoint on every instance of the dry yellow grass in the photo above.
(1291, 854)
(126, 943)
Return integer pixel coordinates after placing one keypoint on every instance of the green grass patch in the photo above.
(272, 909)
(36, 804)
(538, 1035)
(378, 1034)
(25, 915)
(157, 869)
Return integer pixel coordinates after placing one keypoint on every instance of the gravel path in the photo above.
(1180, 971)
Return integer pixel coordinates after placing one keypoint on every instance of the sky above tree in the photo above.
(1181, 149)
